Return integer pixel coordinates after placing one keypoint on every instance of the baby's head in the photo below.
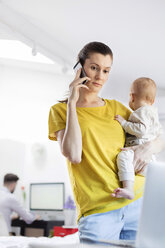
(142, 92)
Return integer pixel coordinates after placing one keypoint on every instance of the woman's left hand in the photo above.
(142, 155)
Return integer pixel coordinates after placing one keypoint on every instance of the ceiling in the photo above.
(135, 31)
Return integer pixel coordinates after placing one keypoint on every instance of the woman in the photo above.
(90, 139)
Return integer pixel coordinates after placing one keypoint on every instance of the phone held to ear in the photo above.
(83, 74)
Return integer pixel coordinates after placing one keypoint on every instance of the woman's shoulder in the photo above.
(118, 108)
(114, 103)
(59, 106)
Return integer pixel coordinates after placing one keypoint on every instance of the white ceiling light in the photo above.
(29, 32)
(13, 49)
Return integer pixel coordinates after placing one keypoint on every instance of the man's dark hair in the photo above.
(10, 178)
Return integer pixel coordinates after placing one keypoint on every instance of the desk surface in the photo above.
(77, 246)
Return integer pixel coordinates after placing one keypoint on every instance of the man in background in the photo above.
(9, 203)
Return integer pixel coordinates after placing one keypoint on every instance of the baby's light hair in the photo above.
(145, 89)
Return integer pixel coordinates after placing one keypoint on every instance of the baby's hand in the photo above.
(119, 118)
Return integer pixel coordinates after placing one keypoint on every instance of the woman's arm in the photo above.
(70, 138)
(143, 153)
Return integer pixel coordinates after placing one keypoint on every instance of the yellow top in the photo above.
(95, 177)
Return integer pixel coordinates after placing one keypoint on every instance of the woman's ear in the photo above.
(152, 101)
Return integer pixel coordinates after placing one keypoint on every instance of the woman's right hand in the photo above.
(75, 86)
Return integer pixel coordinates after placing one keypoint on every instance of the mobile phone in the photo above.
(83, 74)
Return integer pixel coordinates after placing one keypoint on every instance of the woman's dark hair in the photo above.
(10, 178)
(90, 48)
(93, 47)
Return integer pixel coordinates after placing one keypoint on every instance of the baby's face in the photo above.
(131, 98)
(131, 103)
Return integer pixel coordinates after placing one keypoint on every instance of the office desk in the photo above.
(44, 225)
(33, 245)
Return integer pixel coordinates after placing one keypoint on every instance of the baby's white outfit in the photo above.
(143, 125)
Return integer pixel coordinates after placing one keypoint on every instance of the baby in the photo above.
(142, 126)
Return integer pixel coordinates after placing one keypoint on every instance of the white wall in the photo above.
(45, 166)
(12, 160)
(25, 99)
(26, 96)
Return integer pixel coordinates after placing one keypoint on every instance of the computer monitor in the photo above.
(47, 196)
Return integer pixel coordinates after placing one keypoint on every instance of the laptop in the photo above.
(151, 229)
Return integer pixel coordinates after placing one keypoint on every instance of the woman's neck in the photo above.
(89, 100)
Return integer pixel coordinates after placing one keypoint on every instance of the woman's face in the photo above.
(97, 68)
